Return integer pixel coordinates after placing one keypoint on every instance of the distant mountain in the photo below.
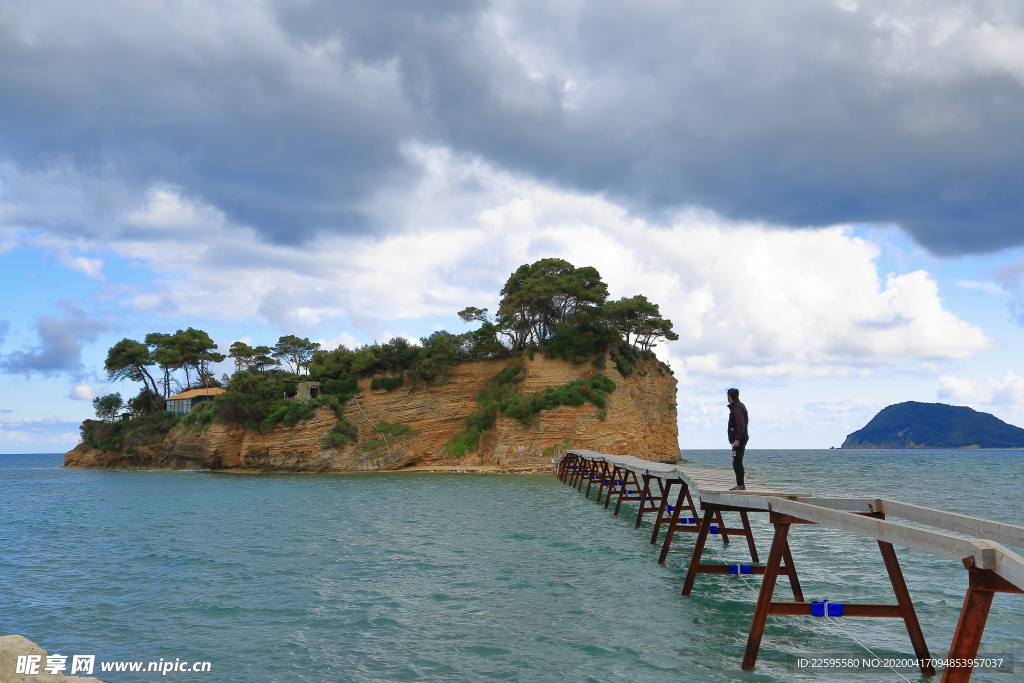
(935, 425)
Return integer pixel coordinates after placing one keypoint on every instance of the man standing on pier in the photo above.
(738, 436)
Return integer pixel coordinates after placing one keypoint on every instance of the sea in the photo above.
(465, 577)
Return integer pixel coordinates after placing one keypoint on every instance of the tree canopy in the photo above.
(107, 407)
(128, 359)
(540, 296)
(295, 352)
(639, 321)
(251, 358)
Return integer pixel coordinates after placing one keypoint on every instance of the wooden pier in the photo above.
(977, 543)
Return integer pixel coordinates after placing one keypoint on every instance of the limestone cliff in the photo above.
(640, 420)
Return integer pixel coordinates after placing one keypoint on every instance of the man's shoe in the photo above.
(738, 488)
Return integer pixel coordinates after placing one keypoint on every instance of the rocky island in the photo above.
(935, 425)
(559, 366)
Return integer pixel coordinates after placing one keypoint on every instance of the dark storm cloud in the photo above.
(60, 344)
(796, 112)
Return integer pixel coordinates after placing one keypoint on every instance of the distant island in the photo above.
(935, 425)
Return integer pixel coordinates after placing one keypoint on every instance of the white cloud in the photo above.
(344, 339)
(1008, 391)
(82, 392)
(1000, 48)
(90, 267)
(990, 287)
(166, 209)
(37, 431)
(750, 300)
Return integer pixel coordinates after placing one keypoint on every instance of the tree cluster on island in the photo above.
(188, 355)
(549, 307)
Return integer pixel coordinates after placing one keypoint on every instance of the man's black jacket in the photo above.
(738, 420)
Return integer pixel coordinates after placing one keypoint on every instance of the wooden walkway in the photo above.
(977, 543)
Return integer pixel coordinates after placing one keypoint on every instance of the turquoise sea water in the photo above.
(422, 577)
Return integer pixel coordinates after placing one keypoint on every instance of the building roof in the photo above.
(192, 393)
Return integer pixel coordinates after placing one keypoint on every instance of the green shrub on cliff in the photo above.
(387, 383)
(290, 413)
(502, 395)
(342, 434)
(126, 435)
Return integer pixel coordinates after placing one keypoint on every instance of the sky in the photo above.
(824, 197)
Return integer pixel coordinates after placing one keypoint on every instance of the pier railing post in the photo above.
(764, 598)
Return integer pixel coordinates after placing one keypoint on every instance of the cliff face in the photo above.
(640, 420)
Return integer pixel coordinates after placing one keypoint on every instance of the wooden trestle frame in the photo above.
(991, 567)
(904, 609)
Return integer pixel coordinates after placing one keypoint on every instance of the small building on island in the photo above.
(303, 390)
(182, 404)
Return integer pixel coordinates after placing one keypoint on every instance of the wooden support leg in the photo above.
(764, 598)
(645, 497)
(673, 518)
(609, 476)
(611, 486)
(969, 629)
(790, 568)
(584, 473)
(625, 482)
(698, 550)
(672, 525)
(599, 473)
(750, 536)
(622, 491)
(666, 488)
(721, 525)
(567, 468)
(899, 587)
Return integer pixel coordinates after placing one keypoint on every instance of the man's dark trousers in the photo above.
(737, 461)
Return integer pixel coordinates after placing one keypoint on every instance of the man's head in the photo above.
(733, 394)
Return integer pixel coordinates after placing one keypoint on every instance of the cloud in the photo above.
(989, 287)
(750, 300)
(82, 392)
(89, 267)
(344, 339)
(1008, 391)
(36, 431)
(290, 117)
(5, 327)
(60, 344)
(1011, 279)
